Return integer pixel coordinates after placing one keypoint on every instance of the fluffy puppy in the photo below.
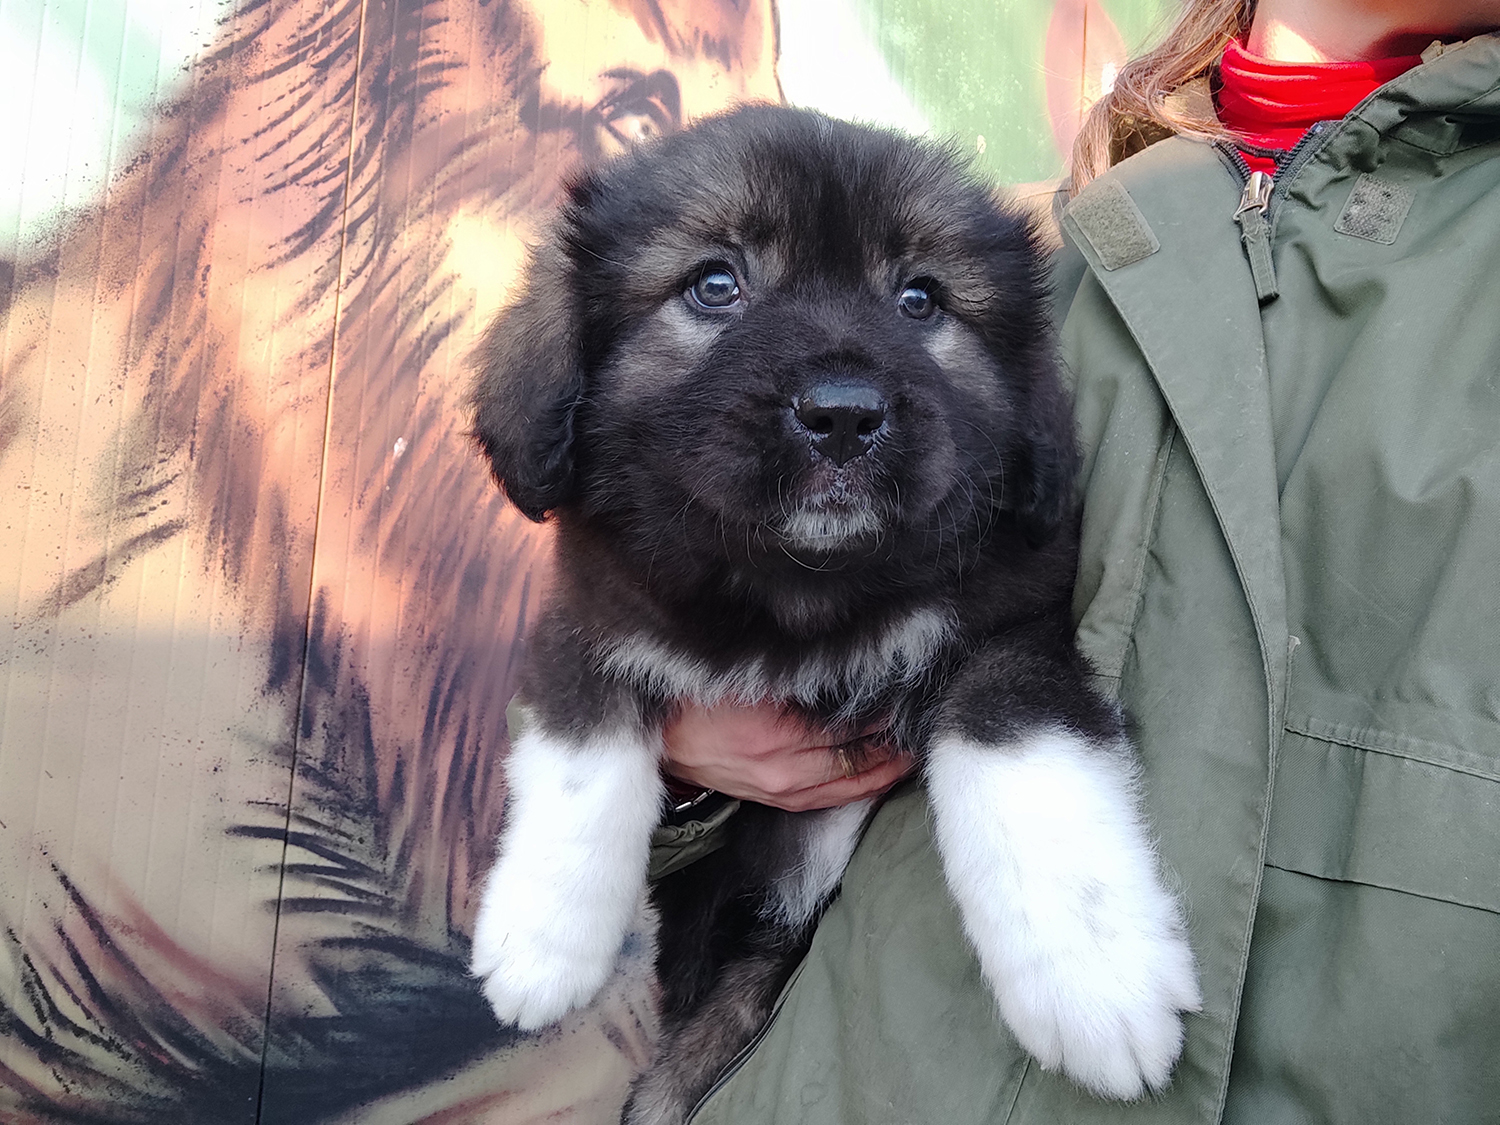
(788, 389)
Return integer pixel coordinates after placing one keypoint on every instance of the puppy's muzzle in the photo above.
(841, 418)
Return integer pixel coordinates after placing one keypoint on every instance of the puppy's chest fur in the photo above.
(841, 680)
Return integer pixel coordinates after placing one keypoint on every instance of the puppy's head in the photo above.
(783, 340)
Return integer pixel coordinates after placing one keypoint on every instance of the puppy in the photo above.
(788, 389)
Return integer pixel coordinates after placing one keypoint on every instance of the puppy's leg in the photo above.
(573, 855)
(1048, 857)
(692, 1054)
(734, 926)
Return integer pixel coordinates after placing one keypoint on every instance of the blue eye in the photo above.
(916, 300)
(715, 287)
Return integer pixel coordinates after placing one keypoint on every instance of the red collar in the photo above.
(1271, 104)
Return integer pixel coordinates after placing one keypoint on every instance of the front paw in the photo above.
(1098, 992)
(1058, 887)
(556, 909)
(537, 965)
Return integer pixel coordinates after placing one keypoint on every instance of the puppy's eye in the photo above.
(715, 287)
(917, 300)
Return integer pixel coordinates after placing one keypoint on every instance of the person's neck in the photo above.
(1314, 31)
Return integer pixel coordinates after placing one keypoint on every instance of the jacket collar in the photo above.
(1431, 106)
(1192, 310)
(1458, 80)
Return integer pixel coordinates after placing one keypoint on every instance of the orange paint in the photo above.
(1083, 53)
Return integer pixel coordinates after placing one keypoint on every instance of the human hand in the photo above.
(761, 753)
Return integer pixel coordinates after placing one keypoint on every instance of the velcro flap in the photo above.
(1375, 210)
(1113, 224)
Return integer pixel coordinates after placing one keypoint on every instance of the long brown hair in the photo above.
(1145, 104)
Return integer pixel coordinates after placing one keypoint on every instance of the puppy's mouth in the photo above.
(832, 511)
(828, 529)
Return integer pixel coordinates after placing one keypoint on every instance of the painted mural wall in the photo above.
(259, 598)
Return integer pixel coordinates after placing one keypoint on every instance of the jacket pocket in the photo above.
(1366, 803)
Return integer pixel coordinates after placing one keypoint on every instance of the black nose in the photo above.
(842, 417)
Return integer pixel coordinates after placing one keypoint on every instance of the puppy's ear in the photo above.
(1049, 470)
(530, 382)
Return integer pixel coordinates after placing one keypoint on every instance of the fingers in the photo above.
(763, 754)
(842, 790)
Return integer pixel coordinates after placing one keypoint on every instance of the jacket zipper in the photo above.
(1254, 211)
(739, 1060)
(1255, 231)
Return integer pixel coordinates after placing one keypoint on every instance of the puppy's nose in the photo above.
(842, 417)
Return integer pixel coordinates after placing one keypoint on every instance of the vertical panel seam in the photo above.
(291, 785)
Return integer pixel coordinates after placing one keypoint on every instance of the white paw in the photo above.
(1101, 997)
(1058, 888)
(538, 959)
(557, 905)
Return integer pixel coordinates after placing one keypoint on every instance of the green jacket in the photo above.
(1291, 577)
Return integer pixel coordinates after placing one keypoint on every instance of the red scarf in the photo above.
(1271, 104)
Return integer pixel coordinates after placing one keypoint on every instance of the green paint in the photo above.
(121, 47)
(1141, 22)
(974, 68)
(98, 72)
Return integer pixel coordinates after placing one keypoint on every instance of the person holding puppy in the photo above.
(1283, 220)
